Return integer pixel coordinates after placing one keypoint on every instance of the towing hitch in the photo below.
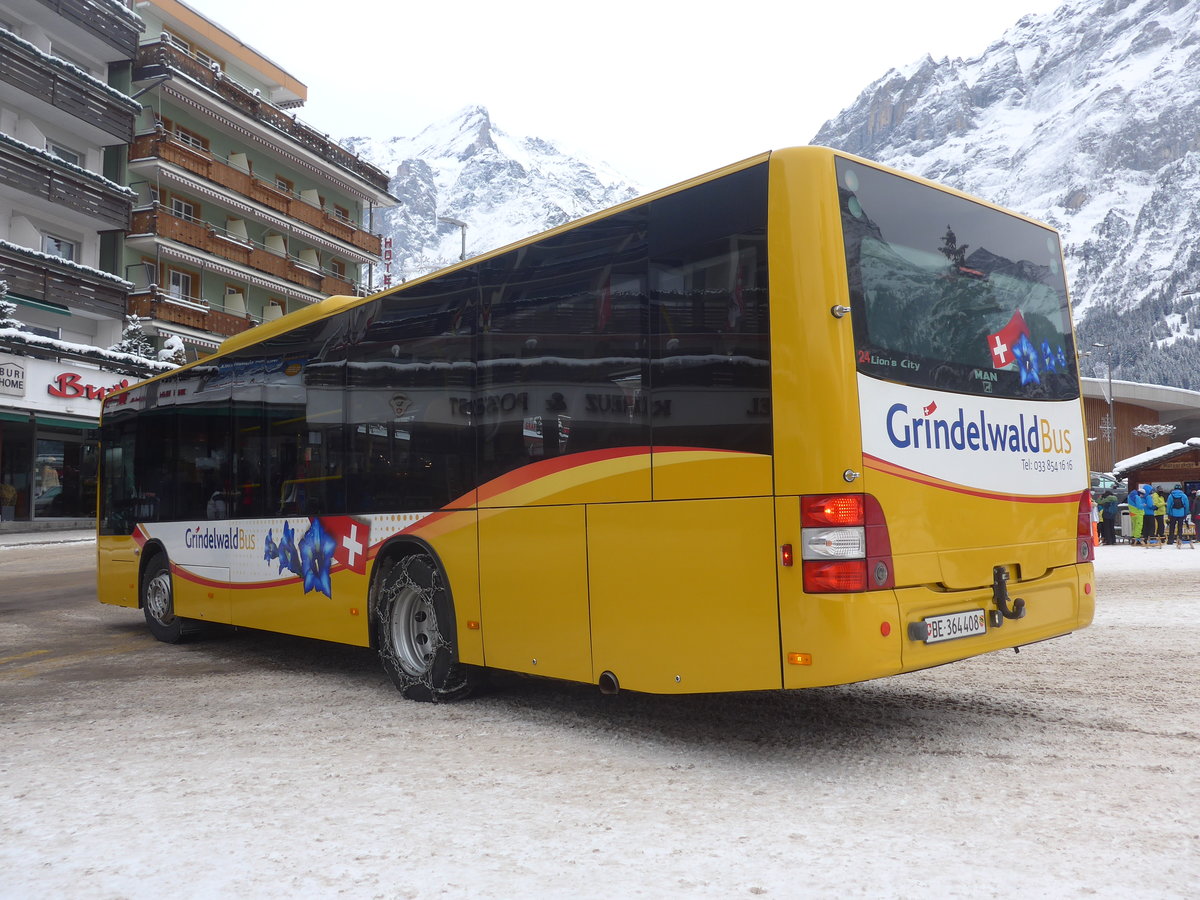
(1000, 597)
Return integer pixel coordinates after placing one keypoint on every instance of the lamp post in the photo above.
(458, 223)
(1109, 428)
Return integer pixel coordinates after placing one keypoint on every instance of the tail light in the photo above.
(845, 544)
(1085, 537)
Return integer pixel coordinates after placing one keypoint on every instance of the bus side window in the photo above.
(409, 409)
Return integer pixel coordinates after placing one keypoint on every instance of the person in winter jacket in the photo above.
(1108, 518)
(1178, 508)
(1137, 512)
(1159, 499)
(1196, 513)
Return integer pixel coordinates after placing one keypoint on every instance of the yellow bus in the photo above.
(801, 421)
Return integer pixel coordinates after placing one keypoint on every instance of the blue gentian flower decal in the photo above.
(288, 557)
(1027, 362)
(316, 556)
(1048, 362)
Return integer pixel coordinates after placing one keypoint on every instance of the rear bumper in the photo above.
(1061, 601)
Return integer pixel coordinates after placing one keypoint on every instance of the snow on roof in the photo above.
(62, 163)
(67, 263)
(100, 355)
(1159, 454)
(70, 67)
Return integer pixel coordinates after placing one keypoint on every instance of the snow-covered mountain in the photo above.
(1087, 118)
(466, 168)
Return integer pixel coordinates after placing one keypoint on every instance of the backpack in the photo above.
(1177, 502)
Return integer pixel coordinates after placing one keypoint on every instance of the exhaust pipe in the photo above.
(609, 686)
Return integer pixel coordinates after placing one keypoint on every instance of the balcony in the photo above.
(65, 87)
(38, 173)
(162, 55)
(192, 313)
(36, 276)
(119, 29)
(165, 146)
(216, 241)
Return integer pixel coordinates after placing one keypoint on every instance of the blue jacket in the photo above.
(1137, 500)
(1183, 510)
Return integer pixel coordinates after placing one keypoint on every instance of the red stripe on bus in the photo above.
(544, 468)
(889, 468)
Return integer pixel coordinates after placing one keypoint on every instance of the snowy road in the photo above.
(257, 765)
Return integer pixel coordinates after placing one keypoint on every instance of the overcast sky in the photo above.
(660, 89)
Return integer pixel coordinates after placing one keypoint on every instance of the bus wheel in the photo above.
(158, 603)
(415, 635)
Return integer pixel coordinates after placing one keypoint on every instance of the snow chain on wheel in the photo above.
(415, 632)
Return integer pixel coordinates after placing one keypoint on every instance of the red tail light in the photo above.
(845, 544)
(1085, 537)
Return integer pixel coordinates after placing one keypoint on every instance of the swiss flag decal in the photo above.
(353, 537)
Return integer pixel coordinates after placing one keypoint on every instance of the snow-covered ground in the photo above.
(259, 766)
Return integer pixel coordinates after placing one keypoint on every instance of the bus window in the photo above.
(708, 281)
(948, 293)
(562, 361)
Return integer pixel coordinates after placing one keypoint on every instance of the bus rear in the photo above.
(945, 513)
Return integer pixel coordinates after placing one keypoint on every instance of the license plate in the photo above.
(955, 625)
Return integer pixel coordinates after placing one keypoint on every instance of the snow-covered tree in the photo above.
(1153, 431)
(172, 351)
(8, 309)
(133, 340)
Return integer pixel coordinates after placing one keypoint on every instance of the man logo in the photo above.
(400, 405)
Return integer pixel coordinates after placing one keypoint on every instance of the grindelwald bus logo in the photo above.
(981, 433)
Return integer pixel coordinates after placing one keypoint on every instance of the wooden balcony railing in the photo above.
(206, 237)
(155, 305)
(162, 145)
(43, 176)
(37, 277)
(66, 88)
(164, 55)
(119, 29)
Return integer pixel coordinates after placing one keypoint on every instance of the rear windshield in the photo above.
(952, 294)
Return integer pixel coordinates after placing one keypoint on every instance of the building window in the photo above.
(177, 41)
(55, 333)
(184, 209)
(338, 268)
(66, 154)
(191, 138)
(285, 185)
(179, 285)
(214, 64)
(342, 213)
(60, 247)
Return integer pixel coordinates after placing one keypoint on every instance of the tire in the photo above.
(158, 603)
(415, 632)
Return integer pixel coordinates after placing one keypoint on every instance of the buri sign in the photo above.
(72, 385)
(12, 378)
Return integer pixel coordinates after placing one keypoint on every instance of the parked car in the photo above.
(1102, 482)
